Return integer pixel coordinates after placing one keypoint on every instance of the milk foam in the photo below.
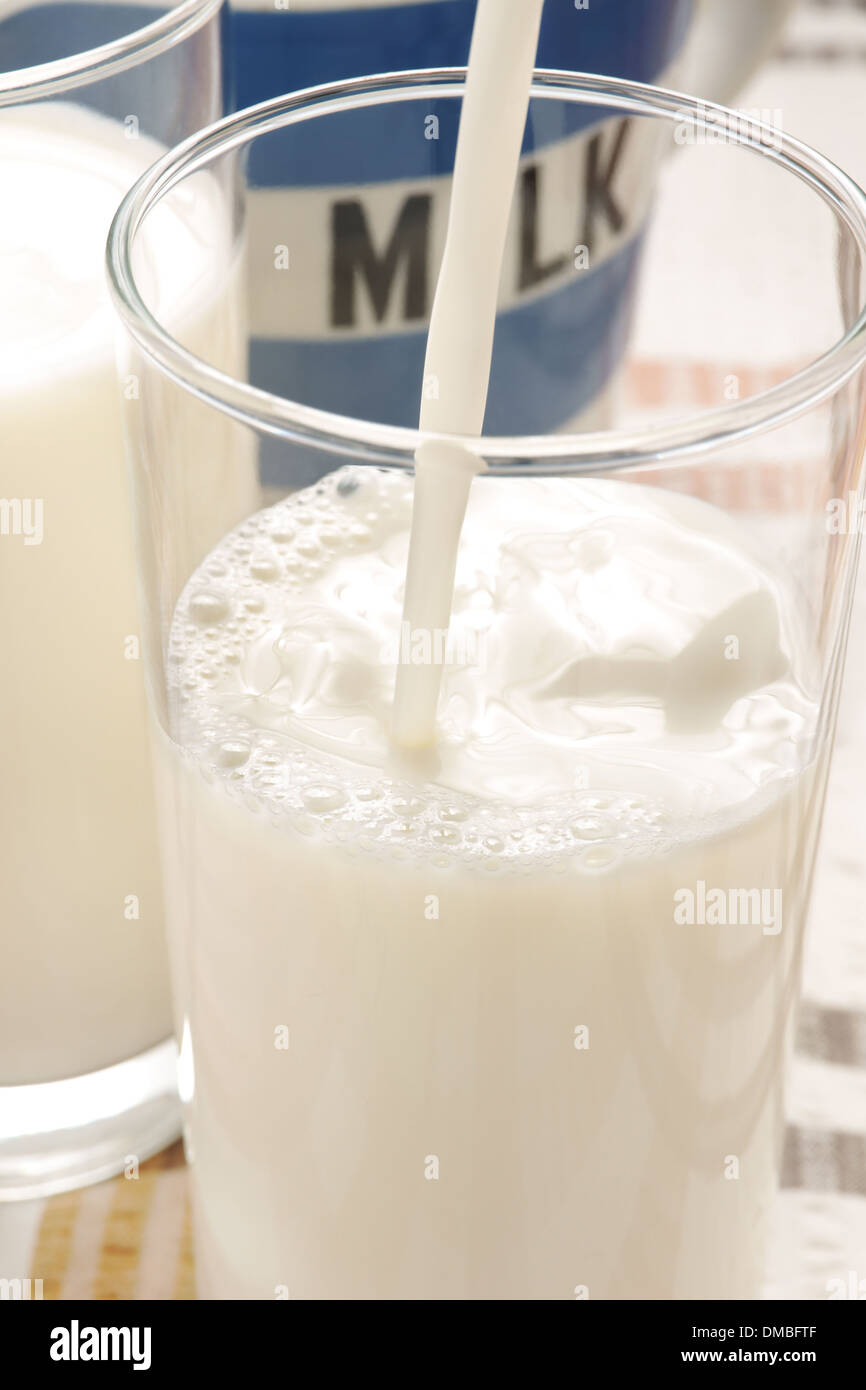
(591, 708)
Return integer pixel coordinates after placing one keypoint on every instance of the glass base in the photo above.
(64, 1134)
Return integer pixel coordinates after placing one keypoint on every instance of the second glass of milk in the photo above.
(506, 1017)
(86, 1055)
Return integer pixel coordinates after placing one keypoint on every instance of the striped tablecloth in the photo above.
(125, 1239)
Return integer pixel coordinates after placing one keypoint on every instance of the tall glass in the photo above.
(86, 1057)
(486, 1023)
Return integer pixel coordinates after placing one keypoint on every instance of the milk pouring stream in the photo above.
(460, 341)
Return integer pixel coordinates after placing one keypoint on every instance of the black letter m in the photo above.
(352, 252)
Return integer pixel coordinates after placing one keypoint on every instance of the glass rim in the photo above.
(61, 75)
(394, 445)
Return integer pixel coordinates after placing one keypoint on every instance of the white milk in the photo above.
(511, 1071)
(83, 982)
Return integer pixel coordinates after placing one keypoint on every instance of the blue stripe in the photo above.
(276, 52)
(551, 357)
(271, 52)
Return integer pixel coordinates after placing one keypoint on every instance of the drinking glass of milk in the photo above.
(490, 768)
(86, 1061)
